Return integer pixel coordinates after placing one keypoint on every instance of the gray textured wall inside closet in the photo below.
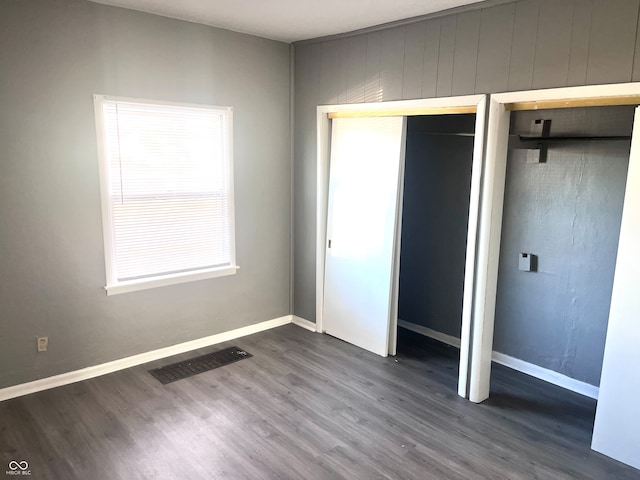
(522, 45)
(566, 211)
(435, 214)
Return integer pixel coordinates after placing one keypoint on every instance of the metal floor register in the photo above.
(193, 366)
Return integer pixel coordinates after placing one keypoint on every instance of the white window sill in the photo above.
(164, 280)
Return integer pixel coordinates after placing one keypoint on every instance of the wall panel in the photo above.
(446, 54)
(466, 53)
(612, 42)
(430, 59)
(329, 68)
(494, 49)
(579, 50)
(413, 60)
(392, 63)
(523, 45)
(553, 43)
(519, 45)
(343, 70)
(356, 69)
(372, 92)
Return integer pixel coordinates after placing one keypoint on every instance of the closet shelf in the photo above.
(448, 134)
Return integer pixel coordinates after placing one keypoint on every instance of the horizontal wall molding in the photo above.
(536, 371)
(301, 322)
(134, 360)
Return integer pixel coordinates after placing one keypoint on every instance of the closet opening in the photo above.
(360, 195)
(564, 194)
(604, 206)
(435, 219)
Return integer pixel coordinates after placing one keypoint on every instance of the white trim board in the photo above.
(134, 360)
(547, 375)
(301, 322)
(536, 371)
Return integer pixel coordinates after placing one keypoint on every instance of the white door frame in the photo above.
(493, 184)
(433, 106)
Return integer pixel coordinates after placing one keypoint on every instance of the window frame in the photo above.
(113, 286)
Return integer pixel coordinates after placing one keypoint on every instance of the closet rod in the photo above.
(446, 134)
(525, 138)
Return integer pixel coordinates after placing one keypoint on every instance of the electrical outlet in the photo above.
(43, 344)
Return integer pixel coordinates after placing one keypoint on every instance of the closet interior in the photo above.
(435, 215)
(564, 194)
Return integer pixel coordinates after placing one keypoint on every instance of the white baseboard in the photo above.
(427, 332)
(547, 375)
(120, 364)
(132, 361)
(536, 371)
(301, 322)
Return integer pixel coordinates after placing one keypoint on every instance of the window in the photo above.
(167, 192)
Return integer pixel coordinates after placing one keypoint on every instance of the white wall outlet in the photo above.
(527, 262)
(43, 344)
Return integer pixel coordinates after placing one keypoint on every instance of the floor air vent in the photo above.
(193, 366)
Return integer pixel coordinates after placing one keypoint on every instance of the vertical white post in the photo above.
(472, 247)
(616, 431)
(489, 232)
(322, 186)
(395, 285)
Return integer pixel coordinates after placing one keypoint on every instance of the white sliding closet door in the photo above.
(367, 155)
(616, 431)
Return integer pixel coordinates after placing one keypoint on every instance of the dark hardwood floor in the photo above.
(306, 406)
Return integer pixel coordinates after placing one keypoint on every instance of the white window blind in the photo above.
(169, 198)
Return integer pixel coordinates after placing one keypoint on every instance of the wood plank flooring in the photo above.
(306, 406)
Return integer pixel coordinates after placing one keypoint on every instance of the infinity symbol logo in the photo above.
(13, 465)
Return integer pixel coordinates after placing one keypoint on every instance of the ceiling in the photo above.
(290, 20)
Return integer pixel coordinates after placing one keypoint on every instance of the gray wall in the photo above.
(566, 211)
(55, 54)
(435, 214)
(517, 46)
